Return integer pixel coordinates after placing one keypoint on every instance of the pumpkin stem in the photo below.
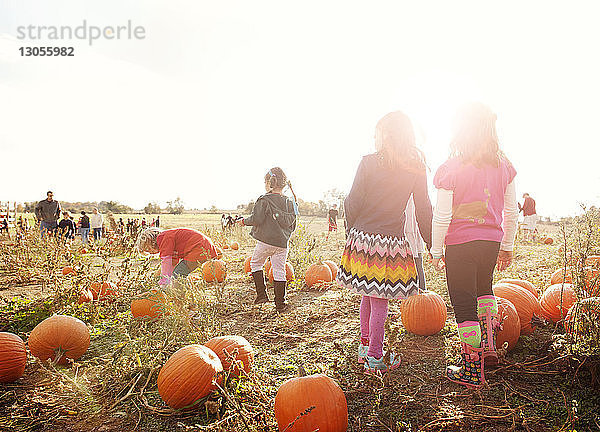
(301, 371)
(59, 353)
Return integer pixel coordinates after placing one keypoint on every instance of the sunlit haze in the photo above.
(216, 93)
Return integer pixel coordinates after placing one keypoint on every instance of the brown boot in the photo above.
(261, 288)
(280, 304)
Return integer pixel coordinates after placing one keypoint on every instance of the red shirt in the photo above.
(187, 244)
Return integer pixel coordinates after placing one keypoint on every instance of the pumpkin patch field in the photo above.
(88, 342)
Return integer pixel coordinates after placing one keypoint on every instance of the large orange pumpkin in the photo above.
(523, 283)
(13, 357)
(225, 346)
(289, 273)
(332, 266)
(524, 302)
(58, 338)
(85, 296)
(550, 303)
(510, 324)
(188, 376)
(583, 317)
(559, 276)
(296, 395)
(317, 273)
(423, 313)
(149, 306)
(214, 271)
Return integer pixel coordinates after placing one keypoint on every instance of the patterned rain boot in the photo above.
(487, 312)
(261, 288)
(389, 361)
(470, 373)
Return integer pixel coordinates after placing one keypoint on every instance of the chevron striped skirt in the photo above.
(378, 266)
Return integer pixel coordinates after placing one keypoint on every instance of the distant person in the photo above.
(144, 223)
(84, 227)
(417, 245)
(157, 223)
(530, 217)
(66, 226)
(376, 247)
(96, 222)
(475, 217)
(273, 221)
(47, 213)
(332, 219)
(121, 226)
(4, 227)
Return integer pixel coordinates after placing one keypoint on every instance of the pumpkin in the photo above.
(225, 346)
(296, 395)
(247, 268)
(317, 273)
(225, 245)
(522, 283)
(548, 240)
(188, 376)
(149, 306)
(423, 313)
(332, 266)
(13, 357)
(559, 276)
(593, 261)
(592, 281)
(58, 338)
(267, 266)
(583, 317)
(510, 325)
(234, 245)
(86, 296)
(289, 273)
(103, 290)
(214, 270)
(550, 303)
(524, 302)
(68, 270)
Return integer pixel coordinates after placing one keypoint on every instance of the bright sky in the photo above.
(220, 91)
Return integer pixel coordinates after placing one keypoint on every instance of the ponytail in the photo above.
(289, 184)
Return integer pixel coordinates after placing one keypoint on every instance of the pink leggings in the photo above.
(373, 312)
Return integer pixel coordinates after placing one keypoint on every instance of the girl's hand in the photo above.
(438, 263)
(504, 260)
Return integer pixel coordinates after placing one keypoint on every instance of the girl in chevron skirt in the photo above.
(377, 262)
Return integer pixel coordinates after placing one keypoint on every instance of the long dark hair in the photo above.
(398, 144)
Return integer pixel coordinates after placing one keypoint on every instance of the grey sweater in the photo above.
(273, 220)
(47, 211)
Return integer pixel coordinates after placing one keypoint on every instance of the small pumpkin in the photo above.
(522, 283)
(149, 306)
(267, 266)
(560, 276)
(423, 313)
(68, 271)
(524, 302)
(289, 273)
(510, 325)
(101, 290)
(317, 273)
(332, 266)
(214, 271)
(188, 376)
(225, 347)
(247, 268)
(550, 303)
(548, 240)
(86, 296)
(296, 395)
(234, 245)
(593, 261)
(58, 338)
(13, 357)
(225, 245)
(583, 317)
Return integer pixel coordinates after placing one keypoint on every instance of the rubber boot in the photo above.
(489, 322)
(470, 373)
(280, 304)
(261, 288)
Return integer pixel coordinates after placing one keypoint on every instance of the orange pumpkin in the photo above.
(13, 357)
(86, 296)
(317, 273)
(289, 273)
(592, 281)
(510, 324)
(149, 306)
(423, 313)
(583, 317)
(267, 266)
(548, 240)
(235, 245)
(593, 261)
(524, 302)
(188, 376)
(225, 347)
(332, 266)
(58, 338)
(330, 412)
(559, 276)
(214, 270)
(225, 245)
(522, 283)
(247, 268)
(103, 290)
(68, 270)
(550, 303)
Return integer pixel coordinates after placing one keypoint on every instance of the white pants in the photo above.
(278, 256)
(529, 222)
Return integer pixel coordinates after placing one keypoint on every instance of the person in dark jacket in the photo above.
(67, 227)
(47, 213)
(377, 261)
(84, 227)
(273, 221)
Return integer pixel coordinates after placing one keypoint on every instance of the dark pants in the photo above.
(469, 274)
(97, 233)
